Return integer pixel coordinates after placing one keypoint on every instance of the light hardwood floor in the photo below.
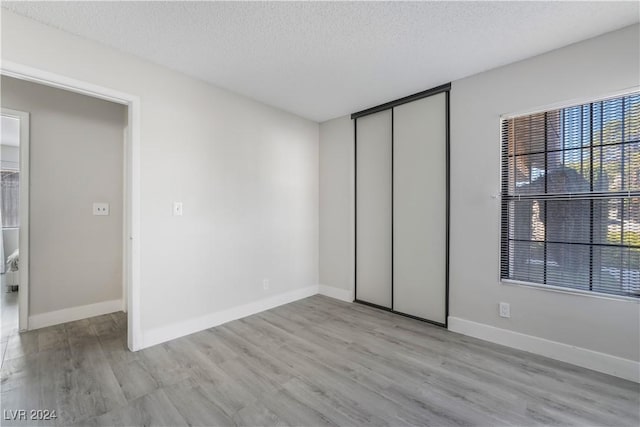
(313, 362)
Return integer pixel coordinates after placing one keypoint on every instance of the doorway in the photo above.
(14, 215)
(131, 244)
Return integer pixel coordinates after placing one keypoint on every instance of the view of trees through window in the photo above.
(571, 197)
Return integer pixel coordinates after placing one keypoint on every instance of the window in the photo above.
(571, 197)
(10, 193)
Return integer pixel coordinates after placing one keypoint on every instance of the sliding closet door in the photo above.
(420, 208)
(373, 209)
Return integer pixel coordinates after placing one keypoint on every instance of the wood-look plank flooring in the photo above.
(313, 362)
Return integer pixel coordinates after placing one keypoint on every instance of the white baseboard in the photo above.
(57, 317)
(601, 362)
(187, 327)
(337, 293)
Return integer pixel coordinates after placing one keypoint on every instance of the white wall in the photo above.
(337, 204)
(10, 156)
(246, 173)
(591, 68)
(10, 240)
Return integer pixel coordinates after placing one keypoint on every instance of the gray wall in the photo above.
(589, 69)
(76, 158)
(575, 72)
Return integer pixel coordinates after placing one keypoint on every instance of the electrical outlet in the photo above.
(505, 309)
(265, 284)
(101, 208)
(177, 208)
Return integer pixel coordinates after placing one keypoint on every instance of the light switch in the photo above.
(177, 208)
(101, 208)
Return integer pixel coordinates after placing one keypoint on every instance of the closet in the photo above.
(402, 205)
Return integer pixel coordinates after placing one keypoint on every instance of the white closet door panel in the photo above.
(373, 209)
(419, 215)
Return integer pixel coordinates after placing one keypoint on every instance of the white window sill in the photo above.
(562, 290)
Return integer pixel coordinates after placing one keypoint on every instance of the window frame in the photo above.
(537, 110)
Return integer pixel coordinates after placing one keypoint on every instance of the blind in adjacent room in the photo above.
(10, 202)
(571, 197)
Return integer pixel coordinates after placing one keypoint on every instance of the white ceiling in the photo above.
(324, 60)
(10, 129)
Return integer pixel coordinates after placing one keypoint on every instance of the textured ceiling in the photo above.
(323, 60)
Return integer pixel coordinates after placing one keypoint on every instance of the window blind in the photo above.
(571, 197)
